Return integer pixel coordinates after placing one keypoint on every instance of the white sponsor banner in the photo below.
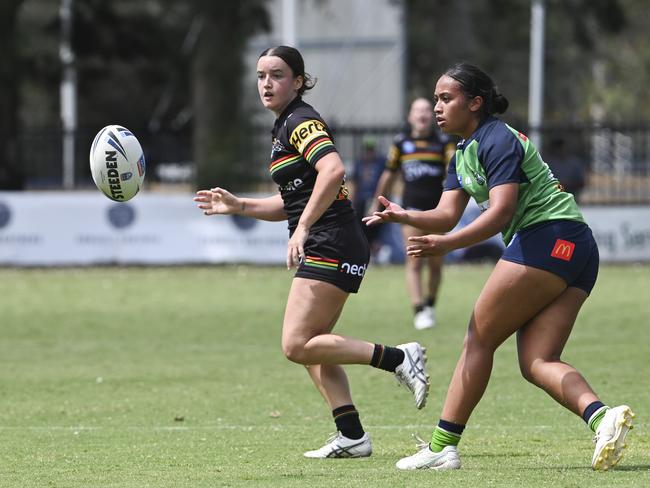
(39, 228)
(83, 228)
(622, 233)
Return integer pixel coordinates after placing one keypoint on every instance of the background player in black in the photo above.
(326, 244)
(420, 155)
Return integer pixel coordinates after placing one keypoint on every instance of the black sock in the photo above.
(591, 409)
(347, 421)
(386, 357)
(430, 302)
(418, 308)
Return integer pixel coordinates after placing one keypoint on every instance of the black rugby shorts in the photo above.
(338, 255)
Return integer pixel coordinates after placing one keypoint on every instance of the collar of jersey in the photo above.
(288, 109)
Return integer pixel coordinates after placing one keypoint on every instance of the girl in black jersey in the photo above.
(326, 245)
(421, 156)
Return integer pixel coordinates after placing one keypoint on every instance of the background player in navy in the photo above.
(420, 156)
(537, 287)
(327, 245)
(365, 175)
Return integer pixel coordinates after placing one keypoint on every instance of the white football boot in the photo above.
(424, 319)
(448, 458)
(339, 446)
(610, 437)
(411, 372)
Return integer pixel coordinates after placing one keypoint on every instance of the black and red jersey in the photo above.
(300, 139)
(422, 162)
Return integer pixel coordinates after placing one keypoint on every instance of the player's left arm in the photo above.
(331, 173)
(503, 204)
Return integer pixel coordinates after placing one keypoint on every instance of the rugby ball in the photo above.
(117, 163)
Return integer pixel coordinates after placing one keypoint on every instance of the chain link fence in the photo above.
(613, 162)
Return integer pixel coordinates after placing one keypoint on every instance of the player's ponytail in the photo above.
(476, 83)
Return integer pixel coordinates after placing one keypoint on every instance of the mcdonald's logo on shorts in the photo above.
(563, 250)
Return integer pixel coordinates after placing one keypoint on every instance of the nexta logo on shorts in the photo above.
(353, 269)
(563, 250)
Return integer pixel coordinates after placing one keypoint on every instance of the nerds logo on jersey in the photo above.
(305, 132)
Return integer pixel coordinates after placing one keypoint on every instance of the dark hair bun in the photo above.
(499, 104)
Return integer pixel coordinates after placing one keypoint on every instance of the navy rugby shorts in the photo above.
(338, 255)
(563, 247)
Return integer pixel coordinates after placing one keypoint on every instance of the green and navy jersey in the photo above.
(300, 139)
(496, 154)
(422, 163)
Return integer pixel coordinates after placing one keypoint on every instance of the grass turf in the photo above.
(152, 377)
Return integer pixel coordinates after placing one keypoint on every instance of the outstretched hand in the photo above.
(218, 201)
(391, 213)
(429, 245)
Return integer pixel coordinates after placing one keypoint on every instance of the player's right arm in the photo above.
(384, 187)
(439, 220)
(389, 175)
(218, 201)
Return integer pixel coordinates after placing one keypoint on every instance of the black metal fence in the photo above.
(613, 161)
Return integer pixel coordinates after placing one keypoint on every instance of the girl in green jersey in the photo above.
(538, 286)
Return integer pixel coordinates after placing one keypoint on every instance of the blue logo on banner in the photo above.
(243, 223)
(5, 214)
(121, 215)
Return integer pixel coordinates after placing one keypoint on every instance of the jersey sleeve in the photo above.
(451, 182)
(393, 160)
(501, 157)
(310, 137)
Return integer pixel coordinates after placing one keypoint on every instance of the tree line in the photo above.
(177, 66)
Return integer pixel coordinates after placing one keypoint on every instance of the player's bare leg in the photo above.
(414, 268)
(511, 297)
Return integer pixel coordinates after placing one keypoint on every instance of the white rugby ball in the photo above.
(117, 163)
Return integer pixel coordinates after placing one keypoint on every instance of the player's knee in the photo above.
(532, 369)
(414, 264)
(294, 351)
(526, 369)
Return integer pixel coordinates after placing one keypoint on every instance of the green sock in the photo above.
(442, 438)
(596, 418)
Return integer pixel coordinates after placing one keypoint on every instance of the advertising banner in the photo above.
(86, 228)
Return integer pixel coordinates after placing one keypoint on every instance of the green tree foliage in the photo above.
(153, 66)
(126, 53)
(10, 174)
(494, 34)
(220, 127)
(176, 67)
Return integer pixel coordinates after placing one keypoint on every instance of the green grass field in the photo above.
(173, 377)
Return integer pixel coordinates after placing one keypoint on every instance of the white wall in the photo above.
(355, 49)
